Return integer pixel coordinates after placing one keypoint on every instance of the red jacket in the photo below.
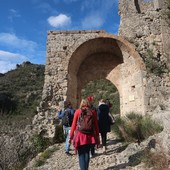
(81, 138)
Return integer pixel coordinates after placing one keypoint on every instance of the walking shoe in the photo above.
(104, 149)
(92, 156)
(68, 153)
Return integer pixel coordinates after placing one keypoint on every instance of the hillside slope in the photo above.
(20, 93)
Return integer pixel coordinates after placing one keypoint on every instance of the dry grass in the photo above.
(135, 128)
(158, 161)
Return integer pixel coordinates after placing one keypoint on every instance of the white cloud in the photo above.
(98, 11)
(15, 42)
(15, 50)
(13, 14)
(9, 60)
(12, 57)
(5, 66)
(92, 22)
(59, 21)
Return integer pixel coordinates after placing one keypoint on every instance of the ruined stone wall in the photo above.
(76, 57)
(60, 47)
(142, 23)
(140, 90)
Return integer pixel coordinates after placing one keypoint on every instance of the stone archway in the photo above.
(76, 57)
(92, 60)
(116, 60)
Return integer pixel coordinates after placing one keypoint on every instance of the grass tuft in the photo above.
(135, 128)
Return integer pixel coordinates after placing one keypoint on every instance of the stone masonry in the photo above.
(143, 24)
(76, 57)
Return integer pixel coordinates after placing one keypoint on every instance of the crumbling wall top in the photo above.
(76, 31)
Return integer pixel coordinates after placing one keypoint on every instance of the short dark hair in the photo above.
(67, 104)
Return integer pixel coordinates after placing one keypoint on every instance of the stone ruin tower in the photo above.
(76, 57)
(144, 24)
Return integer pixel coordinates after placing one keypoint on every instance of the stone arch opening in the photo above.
(93, 60)
(102, 89)
(108, 57)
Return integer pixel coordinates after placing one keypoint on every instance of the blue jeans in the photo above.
(66, 131)
(84, 156)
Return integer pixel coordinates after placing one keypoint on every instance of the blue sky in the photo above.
(25, 23)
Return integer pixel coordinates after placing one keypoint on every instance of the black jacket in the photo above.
(103, 118)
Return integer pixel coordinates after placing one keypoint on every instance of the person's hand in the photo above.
(97, 140)
(99, 146)
(69, 141)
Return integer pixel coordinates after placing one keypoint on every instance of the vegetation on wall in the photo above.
(168, 9)
(153, 65)
(103, 89)
(166, 12)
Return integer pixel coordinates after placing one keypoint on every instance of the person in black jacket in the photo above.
(103, 120)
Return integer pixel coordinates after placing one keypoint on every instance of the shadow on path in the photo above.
(113, 141)
(118, 167)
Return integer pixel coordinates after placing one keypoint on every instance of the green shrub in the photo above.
(149, 127)
(166, 12)
(39, 162)
(153, 65)
(117, 126)
(18, 166)
(59, 135)
(168, 9)
(40, 143)
(47, 153)
(21, 90)
(44, 156)
(103, 89)
(135, 128)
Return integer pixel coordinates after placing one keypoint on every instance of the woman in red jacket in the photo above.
(83, 141)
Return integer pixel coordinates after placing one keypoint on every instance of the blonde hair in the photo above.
(84, 103)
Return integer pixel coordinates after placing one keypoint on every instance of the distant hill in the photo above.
(21, 91)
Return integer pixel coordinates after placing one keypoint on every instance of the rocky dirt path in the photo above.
(112, 160)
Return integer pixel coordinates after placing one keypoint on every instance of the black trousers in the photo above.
(104, 138)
